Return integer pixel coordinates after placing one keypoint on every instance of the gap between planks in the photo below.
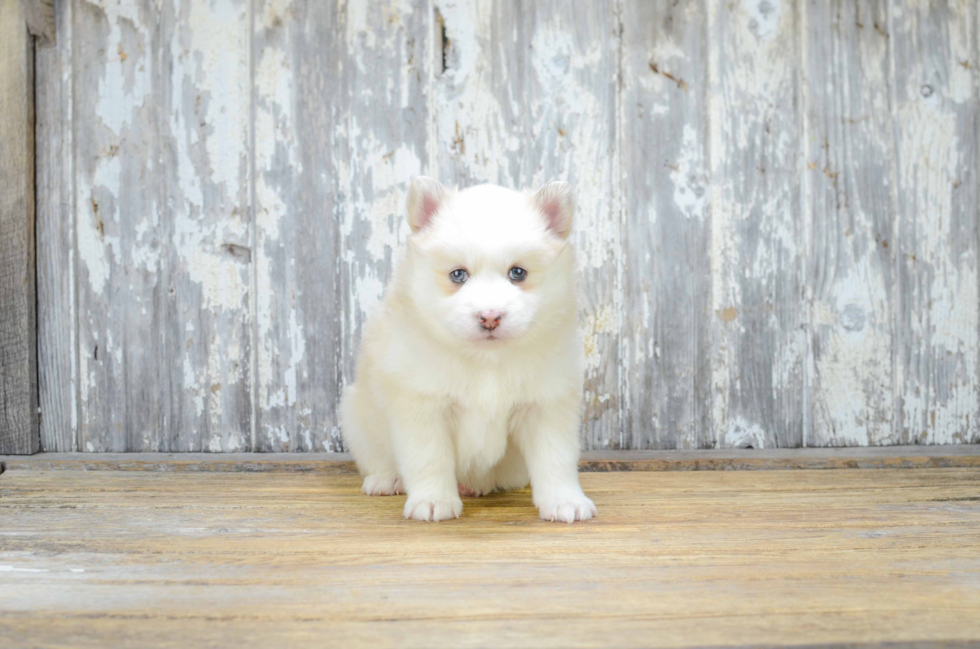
(889, 457)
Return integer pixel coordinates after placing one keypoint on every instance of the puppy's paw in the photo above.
(382, 485)
(567, 507)
(428, 508)
(471, 492)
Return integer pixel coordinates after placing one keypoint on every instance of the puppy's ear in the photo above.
(554, 202)
(425, 197)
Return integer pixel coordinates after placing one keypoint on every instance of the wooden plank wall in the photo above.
(18, 328)
(777, 220)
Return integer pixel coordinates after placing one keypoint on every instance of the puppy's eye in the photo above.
(517, 274)
(459, 275)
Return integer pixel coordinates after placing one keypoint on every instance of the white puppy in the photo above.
(469, 379)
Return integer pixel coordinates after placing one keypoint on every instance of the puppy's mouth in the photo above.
(487, 334)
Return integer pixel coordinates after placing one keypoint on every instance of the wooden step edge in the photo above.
(889, 457)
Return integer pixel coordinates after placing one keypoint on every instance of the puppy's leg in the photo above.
(426, 458)
(548, 438)
(367, 437)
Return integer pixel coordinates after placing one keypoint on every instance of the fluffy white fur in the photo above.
(443, 405)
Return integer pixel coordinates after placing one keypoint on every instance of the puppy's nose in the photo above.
(489, 320)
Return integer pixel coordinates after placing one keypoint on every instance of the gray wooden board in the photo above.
(850, 174)
(962, 455)
(298, 138)
(57, 325)
(223, 198)
(666, 191)
(18, 345)
(160, 114)
(937, 139)
(758, 341)
(121, 340)
(205, 122)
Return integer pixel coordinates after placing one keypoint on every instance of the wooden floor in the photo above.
(718, 558)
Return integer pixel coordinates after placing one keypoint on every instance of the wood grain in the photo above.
(675, 559)
(299, 125)
(120, 296)
(886, 457)
(18, 328)
(758, 342)
(57, 325)
(667, 192)
(161, 220)
(851, 176)
(777, 209)
(937, 104)
(206, 230)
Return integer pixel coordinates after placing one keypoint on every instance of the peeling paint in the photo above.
(758, 242)
(743, 434)
(597, 323)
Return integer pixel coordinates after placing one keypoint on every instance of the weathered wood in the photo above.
(937, 112)
(837, 558)
(527, 94)
(122, 274)
(160, 125)
(850, 175)
(758, 341)
(882, 457)
(386, 72)
(207, 230)
(313, 462)
(299, 119)
(18, 333)
(666, 331)
(56, 303)
(222, 191)
(39, 15)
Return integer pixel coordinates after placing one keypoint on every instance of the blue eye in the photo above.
(459, 275)
(517, 274)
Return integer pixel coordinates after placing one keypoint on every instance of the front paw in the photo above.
(382, 485)
(566, 507)
(429, 508)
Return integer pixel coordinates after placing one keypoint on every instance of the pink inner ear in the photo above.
(429, 207)
(551, 208)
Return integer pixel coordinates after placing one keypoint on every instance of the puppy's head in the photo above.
(488, 265)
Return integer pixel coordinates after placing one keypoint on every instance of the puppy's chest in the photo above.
(495, 388)
(489, 391)
(482, 407)
(480, 436)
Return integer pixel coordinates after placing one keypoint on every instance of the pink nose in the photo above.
(489, 320)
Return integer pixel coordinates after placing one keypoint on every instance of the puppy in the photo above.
(469, 379)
